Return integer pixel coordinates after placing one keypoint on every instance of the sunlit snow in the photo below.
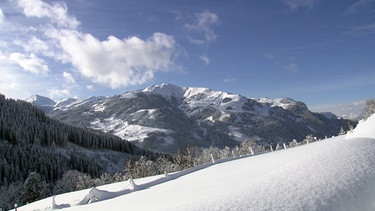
(332, 174)
(123, 129)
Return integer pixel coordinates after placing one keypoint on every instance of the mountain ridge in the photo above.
(167, 117)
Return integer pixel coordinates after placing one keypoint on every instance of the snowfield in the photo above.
(332, 174)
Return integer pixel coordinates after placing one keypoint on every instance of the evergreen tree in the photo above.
(9, 195)
(73, 180)
(34, 188)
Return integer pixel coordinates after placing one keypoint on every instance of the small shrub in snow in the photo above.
(293, 143)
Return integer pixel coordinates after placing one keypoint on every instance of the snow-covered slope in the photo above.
(40, 100)
(332, 174)
(284, 103)
(364, 129)
(166, 90)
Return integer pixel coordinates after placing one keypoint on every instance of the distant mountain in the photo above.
(167, 117)
(40, 100)
(44, 103)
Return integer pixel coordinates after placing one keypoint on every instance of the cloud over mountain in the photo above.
(116, 62)
(53, 37)
(30, 63)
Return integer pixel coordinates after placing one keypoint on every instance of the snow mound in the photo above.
(333, 174)
(364, 129)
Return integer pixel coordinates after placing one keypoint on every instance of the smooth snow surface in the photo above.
(333, 174)
(364, 129)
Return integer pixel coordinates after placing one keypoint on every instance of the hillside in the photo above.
(332, 174)
(31, 142)
(167, 117)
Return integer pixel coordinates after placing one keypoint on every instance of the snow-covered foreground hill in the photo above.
(333, 174)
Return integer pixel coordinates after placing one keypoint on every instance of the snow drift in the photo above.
(333, 174)
(364, 129)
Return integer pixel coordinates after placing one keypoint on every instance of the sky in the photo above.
(314, 51)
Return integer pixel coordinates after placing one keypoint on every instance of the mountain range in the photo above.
(167, 117)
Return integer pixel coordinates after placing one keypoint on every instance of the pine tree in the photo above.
(34, 188)
(73, 180)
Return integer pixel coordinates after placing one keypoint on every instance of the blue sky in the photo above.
(319, 52)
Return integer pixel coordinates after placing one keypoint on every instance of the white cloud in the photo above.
(2, 17)
(19, 84)
(229, 79)
(30, 62)
(90, 87)
(57, 12)
(34, 44)
(296, 4)
(116, 62)
(48, 34)
(58, 93)
(68, 78)
(292, 67)
(351, 110)
(201, 31)
(9, 80)
(205, 59)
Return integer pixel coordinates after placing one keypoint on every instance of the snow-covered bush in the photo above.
(309, 138)
(293, 143)
(209, 153)
(73, 180)
(256, 148)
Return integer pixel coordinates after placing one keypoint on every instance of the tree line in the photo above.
(33, 145)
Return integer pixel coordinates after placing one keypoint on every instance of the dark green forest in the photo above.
(35, 148)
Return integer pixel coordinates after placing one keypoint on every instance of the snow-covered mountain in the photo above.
(45, 103)
(167, 117)
(40, 100)
(335, 174)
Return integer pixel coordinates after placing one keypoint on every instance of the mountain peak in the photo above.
(166, 90)
(39, 100)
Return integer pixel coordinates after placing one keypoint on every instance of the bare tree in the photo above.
(369, 108)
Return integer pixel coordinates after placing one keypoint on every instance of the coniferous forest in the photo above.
(37, 153)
